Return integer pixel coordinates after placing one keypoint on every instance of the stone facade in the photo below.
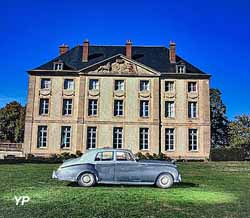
(131, 72)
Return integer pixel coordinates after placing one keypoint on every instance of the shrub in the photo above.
(78, 153)
(227, 154)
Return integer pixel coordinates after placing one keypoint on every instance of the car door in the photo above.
(126, 168)
(105, 166)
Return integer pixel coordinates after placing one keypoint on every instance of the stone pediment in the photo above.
(121, 66)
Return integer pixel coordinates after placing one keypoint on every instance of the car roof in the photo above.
(108, 149)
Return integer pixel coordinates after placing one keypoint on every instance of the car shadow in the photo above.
(177, 185)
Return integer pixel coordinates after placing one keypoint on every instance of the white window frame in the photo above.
(144, 141)
(68, 106)
(68, 84)
(119, 85)
(58, 66)
(46, 82)
(170, 109)
(117, 137)
(42, 135)
(180, 69)
(144, 108)
(169, 139)
(93, 84)
(92, 107)
(192, 109)
(192, 135)
(92, 138)
(192, 86)
(118, 107)
(44, 106)
(65, 136)
(169, 86)
(144, 85)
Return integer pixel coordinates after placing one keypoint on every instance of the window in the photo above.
(44, 106)
(119, 85)
(143, 138)
(144, 85)
(58, 66)
(67, 106)
(144, 108)
(118, 107)
(169, 86)
(94, 84)
(65, 136)
(192, 87)
(180, 69)
(117, 137)
(105, 156)
(169, 139)
(169, 109)
(92, 107)
(123, 156)
(45, 83)
(192, 139)
(192, 110)
(42, 137)
(69, 84)
(91, 137)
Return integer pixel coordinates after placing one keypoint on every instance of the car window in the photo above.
(104, 156)
(123, 156)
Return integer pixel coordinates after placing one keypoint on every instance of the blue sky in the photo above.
(213, 35)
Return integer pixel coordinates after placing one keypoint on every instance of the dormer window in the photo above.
(180, 68)
(58, 66)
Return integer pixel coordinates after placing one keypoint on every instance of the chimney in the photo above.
(172, 52)
(63, 49)
(129, 49)
(85, 51)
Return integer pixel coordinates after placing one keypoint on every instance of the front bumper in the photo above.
(54, 175)
(179, 178)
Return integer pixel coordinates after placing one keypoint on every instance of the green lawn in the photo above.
(208, 190)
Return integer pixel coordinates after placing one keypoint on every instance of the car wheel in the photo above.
(86, 180)
(165, 181)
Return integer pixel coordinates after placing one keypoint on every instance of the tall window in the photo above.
(180, 69)
(44, 106)
(58, 66)
(144, 85)
(45, 83)
(69, 84)
(192, 109)
(42, 137)
(192, 87)
(169, 86)
(67, 106)
(192, 139)
(93, 84)
(143, 138)
(65, 136)
(169, 139)
(169, 109)
(91, 137)
(118, 107)
(144, 108)
(119, 85)
(92, 107)
(117, 137)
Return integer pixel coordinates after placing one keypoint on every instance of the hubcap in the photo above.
(86, 179)
(164, 180)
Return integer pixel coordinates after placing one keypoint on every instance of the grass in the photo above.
(213, 189)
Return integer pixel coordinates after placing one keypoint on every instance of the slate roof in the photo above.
(155, 57)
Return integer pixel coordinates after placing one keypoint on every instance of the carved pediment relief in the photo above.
(119, 66)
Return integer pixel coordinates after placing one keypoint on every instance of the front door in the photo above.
(126, 168)
(105, 166)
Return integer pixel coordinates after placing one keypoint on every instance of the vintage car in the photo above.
(117, 166)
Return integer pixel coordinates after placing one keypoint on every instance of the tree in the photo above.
(219, 121)
(12, 120)
(239, 131)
